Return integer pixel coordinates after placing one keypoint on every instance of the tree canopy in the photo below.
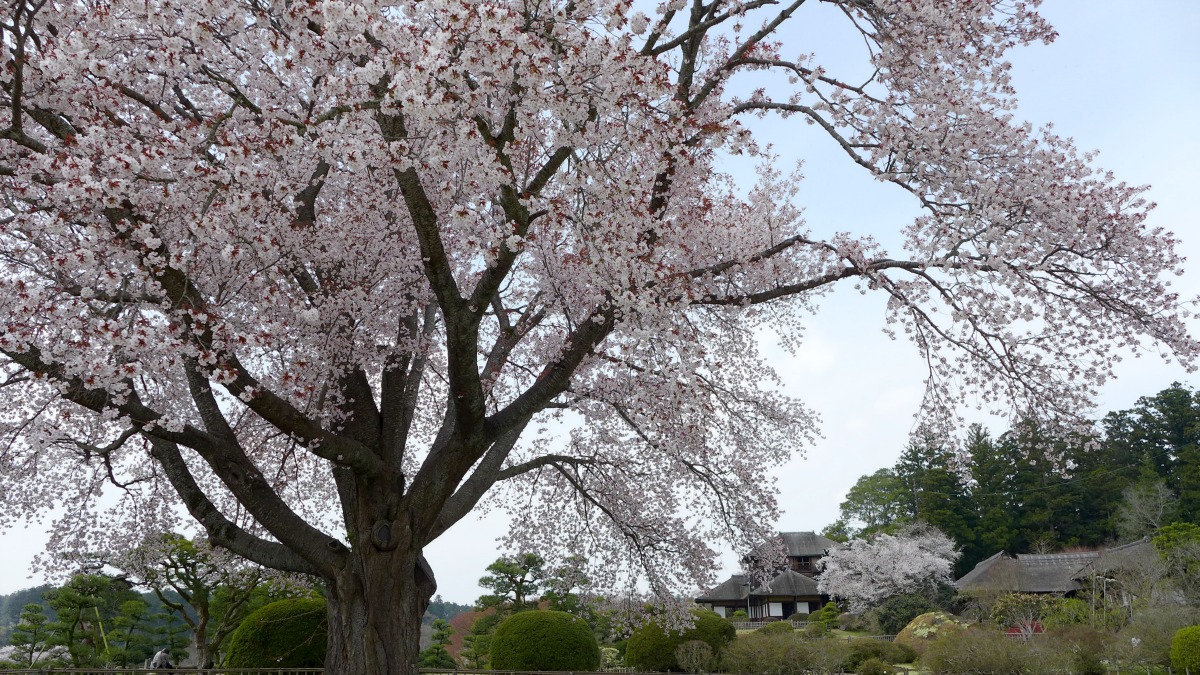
(264, 257)
(865, 572)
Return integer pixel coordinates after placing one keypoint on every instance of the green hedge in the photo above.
(289, 633)
(653, 649)
(544, 640)
(1185, 649)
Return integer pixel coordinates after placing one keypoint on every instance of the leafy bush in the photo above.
(1068, 612)
(777, 627)
(544, 640)
(767, 654)
(695, 656)
(652, 648)
(739, 615)
(874, 667)
(985, 652)
(814, 630)
(799, 616)
(1185, 649)
(610, 657)
(288, 633)
(896, 612)
(888, 652)
(829, 656)
(1024, 611)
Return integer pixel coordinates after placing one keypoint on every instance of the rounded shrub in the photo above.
(544, 640)
(777, 627)
(900, 653)
(1185, 649)
(814, 630)
(799, 616)
(928, 627)
(652, 648)
(714, 630)
(288, 633)
(829, 656)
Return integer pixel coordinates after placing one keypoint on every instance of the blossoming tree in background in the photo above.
(328, 274)
(865, 572)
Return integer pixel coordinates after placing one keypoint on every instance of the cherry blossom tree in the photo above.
(330, 275)
(865, 572)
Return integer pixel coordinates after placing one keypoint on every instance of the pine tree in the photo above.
(436, 656)
(477, 644)
(31, 637)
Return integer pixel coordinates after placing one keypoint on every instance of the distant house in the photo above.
(1062, 573)
(791, 590)
(1028, 573)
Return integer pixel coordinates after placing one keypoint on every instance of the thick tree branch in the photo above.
(223, 532)
(486, 474)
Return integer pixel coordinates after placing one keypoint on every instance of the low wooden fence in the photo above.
(755, 625)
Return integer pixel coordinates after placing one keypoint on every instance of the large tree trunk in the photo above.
(375, 610)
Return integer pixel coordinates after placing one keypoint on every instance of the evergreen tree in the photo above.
(992, 475)
(436, 656)
(1164, 431)
(935, 489)
(440, 608)
(210, 590)
(514, 581)
(13, 604)
(86, 608)
(1094, 477)
(170, 632)
(31, 637)
(129, 640)
(477, 644)
(1042, 508)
